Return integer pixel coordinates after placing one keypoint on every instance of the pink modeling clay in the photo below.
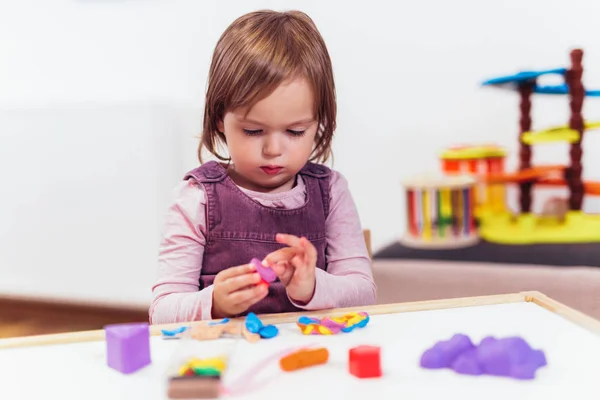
(266, 273)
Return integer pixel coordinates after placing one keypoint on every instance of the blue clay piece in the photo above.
(307, 320)
(268, 332)
(173, 332)
(223, 321)
(253, 323)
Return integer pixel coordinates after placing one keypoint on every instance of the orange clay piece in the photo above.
(304, 358)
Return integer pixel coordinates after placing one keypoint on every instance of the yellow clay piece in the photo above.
(217, 363)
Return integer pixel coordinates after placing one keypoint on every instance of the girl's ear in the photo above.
(220, 125)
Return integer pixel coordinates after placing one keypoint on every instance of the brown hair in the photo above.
(255, 54)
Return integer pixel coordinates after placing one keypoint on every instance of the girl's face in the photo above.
(270, 144)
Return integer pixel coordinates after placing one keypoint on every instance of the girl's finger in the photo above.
(259, 295)
(251, 294)
(290, 240)
(234, 271)
(299, 264)
(283, 254)
(239, 282)
(284, 271)
(310, 250)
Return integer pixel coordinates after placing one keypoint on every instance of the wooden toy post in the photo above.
(577, 93)
(525, 188)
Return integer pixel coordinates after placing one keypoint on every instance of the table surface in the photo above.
(73, 366)
(562, 255)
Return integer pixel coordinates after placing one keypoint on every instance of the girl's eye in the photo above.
(296, 133)
(252, 132)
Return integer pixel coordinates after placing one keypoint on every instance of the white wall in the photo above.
(85, 85)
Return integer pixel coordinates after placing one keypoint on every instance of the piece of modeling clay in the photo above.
(223, 321)
(267, 274)
(255, 325)
(174, 332)
(508, 357)
(268, 331)
(443, 353)
(304, 358)
(332, 325)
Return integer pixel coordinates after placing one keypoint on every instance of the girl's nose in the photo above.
(272, 146)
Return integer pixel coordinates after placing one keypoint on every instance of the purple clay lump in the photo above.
(509, 357)
(267, 274)
(443, 353)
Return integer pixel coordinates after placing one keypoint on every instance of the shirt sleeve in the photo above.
(348, 281)
(175, 295)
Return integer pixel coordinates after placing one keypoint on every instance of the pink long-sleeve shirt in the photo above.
(347, 282)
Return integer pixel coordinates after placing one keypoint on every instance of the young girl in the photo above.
(271, 102)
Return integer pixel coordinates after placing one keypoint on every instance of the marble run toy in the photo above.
(428, 208)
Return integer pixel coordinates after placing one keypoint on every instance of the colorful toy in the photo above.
(333, 325)
(127, 346)
(525, 228)
(365, 361)
(495, 221)
(267, 274)
(440, 212)
(304, 358)
(479, 161)
(509, 357)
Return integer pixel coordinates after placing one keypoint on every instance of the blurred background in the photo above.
(101, 105)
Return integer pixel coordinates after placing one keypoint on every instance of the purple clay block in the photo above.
(266, 273)
(467, 364)
(511, 357)
(443, 353)
(127, 346)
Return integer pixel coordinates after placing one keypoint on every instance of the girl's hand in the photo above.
(295, 266)
(235, 289)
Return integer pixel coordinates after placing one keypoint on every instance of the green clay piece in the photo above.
(207, 371)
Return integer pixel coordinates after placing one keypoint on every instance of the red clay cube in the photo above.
(365, 361)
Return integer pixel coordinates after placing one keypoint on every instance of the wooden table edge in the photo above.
(535, 297)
